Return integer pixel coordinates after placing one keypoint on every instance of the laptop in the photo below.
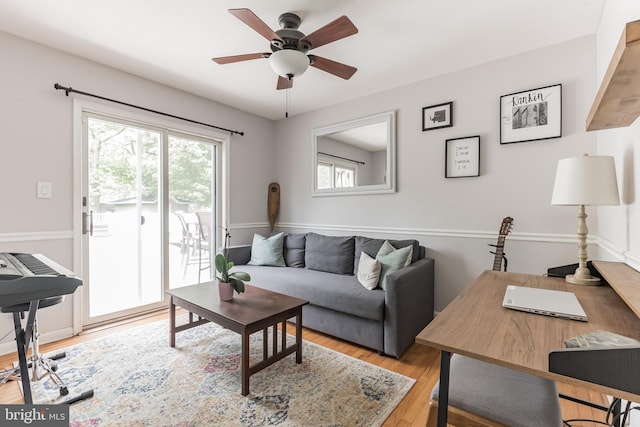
(544, 301)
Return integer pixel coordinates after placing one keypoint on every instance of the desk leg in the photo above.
(172, 323)
(443, 397)
(617, 409)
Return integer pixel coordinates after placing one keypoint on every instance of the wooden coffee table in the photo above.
(254, 310)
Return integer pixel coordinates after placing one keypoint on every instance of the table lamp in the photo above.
(581, 181)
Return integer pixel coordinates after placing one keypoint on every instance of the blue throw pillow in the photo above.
(267, 251)
(392, 259)
(388, 248)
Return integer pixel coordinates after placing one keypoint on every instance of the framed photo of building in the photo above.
(462, 157)
(437, 116)
(531, 115)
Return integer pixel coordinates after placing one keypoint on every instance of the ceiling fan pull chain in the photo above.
(286, 113)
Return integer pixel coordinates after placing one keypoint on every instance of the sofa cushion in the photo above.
(333, 254)
(267, 251)
(336, 292)
(372, 246)
(294, 248)
(368, 271)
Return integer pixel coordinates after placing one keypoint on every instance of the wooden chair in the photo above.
(482, 394)
(203, 243)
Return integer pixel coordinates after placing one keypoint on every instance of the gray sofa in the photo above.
(323, 270)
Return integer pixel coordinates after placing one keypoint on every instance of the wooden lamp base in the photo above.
(572, 278)
(582, 275)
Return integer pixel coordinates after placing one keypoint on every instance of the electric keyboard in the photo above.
(29, 277)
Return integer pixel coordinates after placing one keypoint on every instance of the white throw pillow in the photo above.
(368, 271)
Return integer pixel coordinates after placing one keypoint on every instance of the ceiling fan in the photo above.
(289, 47)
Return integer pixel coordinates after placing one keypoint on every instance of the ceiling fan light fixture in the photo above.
(289, 63)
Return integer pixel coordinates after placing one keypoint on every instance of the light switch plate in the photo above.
(45, 190)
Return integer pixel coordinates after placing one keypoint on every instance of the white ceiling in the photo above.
(399, 42)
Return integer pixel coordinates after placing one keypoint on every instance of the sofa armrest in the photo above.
(409, 305)
(239, 255)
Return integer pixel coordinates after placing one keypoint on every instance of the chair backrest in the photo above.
(204, 225)
(189, 226)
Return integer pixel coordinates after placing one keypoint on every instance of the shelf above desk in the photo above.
(617, 103)
(624, 280)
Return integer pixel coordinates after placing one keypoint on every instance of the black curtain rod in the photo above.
(68, 89)
(343, 158)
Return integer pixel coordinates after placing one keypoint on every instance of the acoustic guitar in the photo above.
(505, 228)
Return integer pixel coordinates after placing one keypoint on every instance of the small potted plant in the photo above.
(228, 282)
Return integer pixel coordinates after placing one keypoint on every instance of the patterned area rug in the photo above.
(138, 380)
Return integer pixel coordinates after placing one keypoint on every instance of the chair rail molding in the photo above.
(35, 236)
(412, 232)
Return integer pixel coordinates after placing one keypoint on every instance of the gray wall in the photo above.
(456, 218)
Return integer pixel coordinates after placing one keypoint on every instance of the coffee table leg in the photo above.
(299, 336)
(172, 323)
(244, 368)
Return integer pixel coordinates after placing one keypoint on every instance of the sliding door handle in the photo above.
(84, 223)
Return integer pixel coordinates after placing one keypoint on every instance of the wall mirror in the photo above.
(355, 157)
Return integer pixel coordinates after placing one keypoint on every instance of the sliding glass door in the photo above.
(192, 219)
(143, 183)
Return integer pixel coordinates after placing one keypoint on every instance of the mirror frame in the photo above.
(388, 117)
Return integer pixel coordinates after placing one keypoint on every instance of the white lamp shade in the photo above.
(289, 62)
(586, 180)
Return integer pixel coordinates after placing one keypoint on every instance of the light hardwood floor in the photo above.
(419, 362)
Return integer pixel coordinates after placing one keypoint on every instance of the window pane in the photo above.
(324, 175)
(123, 178)
(191, 189)
(345, 177)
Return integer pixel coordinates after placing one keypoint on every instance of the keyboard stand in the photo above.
(23, 338)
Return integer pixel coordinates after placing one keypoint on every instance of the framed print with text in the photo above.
(437, 116)
(462, 157)
(531, 115)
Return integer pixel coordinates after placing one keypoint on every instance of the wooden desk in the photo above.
(476, 325)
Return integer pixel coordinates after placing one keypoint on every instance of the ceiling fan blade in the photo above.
(257, 24)
(336, 30)
(238, 58)
(284, 83)
(336, 68)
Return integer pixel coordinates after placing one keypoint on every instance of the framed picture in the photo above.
(531, 115)
(462, 157)
(437, 116)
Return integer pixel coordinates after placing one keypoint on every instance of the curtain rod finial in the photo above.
(66, 89)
